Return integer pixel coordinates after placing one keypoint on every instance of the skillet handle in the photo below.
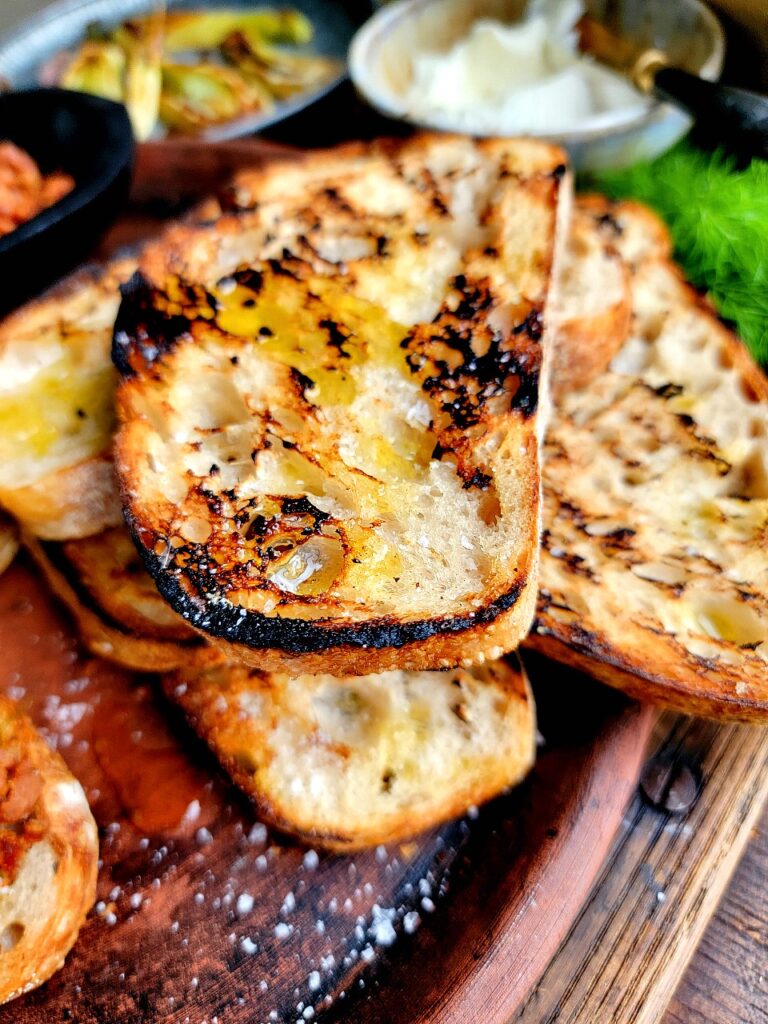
(733, 116)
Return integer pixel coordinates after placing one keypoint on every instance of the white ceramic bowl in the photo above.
(380, 64)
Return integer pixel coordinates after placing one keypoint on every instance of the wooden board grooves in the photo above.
(629, 947)
(728, 980)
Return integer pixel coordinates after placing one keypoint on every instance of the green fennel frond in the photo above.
(718, 216)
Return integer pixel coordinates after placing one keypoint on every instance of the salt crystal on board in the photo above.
(411, 922)
(244, 904)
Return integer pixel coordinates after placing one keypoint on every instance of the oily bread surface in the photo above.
(315, 392)
(654, 571)
(346, 763)
(56, 406)
(49, 856)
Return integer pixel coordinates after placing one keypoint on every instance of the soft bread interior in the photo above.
(359, 761)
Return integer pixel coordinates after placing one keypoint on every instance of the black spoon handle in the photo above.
(735, 116)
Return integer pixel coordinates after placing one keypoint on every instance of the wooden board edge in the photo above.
(487, 993)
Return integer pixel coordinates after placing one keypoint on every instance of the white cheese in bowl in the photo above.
(523, 78)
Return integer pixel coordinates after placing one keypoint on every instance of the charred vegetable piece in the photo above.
(282, 73)
(142, 41)
(98, 68)
(206, 30)
(198, 96)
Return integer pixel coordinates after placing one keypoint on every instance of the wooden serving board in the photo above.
(206, 917)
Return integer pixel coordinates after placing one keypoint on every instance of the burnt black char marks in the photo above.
(470, 368)
(144, 329)
(263, 530)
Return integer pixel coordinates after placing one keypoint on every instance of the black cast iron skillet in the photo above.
(88, 138)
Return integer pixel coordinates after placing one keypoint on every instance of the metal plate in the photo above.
(62, 25)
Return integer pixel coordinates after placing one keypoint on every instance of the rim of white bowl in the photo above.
(372, 33)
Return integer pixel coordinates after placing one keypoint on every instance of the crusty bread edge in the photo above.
(110, 640)
(69, 503)
(604, 662)
(71, 832)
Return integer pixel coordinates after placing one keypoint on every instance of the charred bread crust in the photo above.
(108, 569)
(107, 637)
(482, 381)
(49, 857)
(295, 637)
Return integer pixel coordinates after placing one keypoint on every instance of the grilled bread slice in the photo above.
(118, 612)
(654, 572)
(328, 444)
(57, 408)
(349, 763)
(48, 856)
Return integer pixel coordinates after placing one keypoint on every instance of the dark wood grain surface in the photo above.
(662, 881)
(727, 979)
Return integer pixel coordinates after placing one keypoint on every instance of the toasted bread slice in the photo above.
(654, 572)
(349, 763)
(328, 406)
(119, 614)
(49, 854)
(594, 309)
(57, 408)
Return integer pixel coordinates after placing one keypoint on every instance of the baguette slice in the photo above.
(654, 570)
(48, 856)
(118, 612)
(328, 404)
(57, 409)
(350, 763)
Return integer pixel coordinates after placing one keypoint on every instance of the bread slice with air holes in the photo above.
(57, 408)
(328, 442)
(116, 607)
(654, 571)
(350, 763)
(48, 856)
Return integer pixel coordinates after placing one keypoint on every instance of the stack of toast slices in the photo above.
(330, 453)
